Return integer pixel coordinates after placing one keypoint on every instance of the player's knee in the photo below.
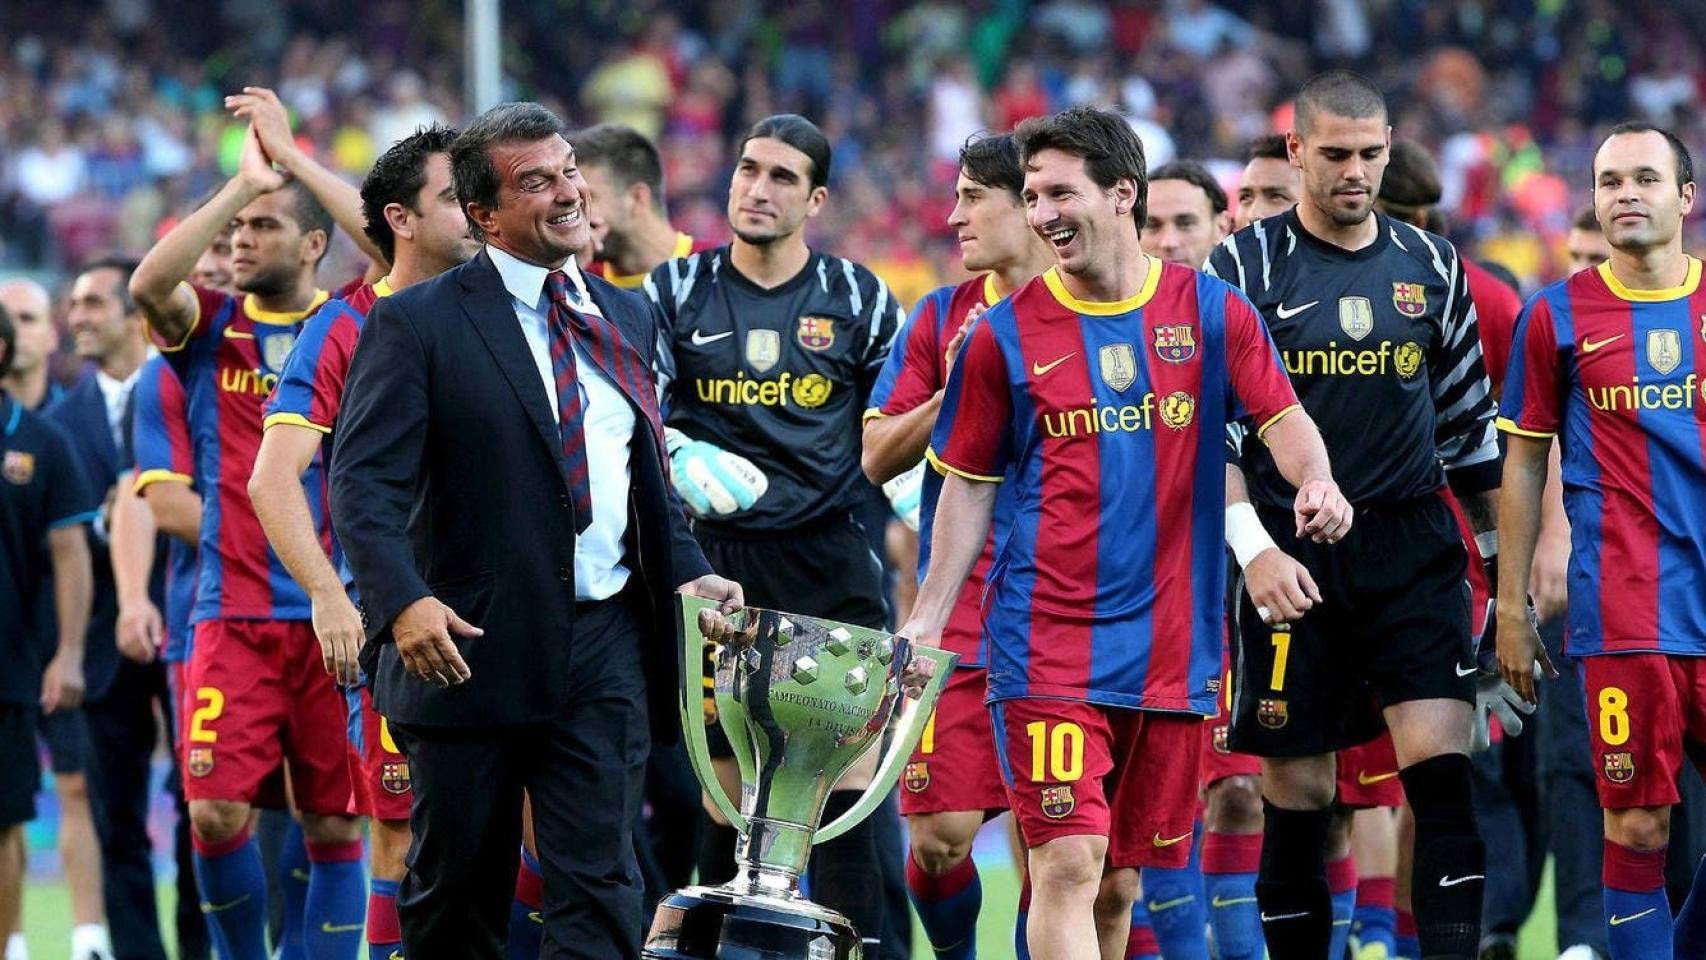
(1234, 805)
(1069, 866)
(321, 828)
(72, 790)
(1638, 828)
(1301, 784)
(937, 848)
(216, 821)
(1339, 833)
(1116, 893)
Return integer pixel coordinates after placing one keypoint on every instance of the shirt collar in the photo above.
(525, 281)
(112, 387)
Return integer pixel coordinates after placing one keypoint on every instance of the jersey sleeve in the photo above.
(660, 288)
(160, 433)
(913, 372)
(208, 307)
(69, 498)
(973, 433)
(311, 387)
(1463, 398)
(1254, 370)
(1224, 264)
(883, 325)
(1533, 402)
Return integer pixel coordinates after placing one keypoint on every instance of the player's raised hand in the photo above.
(269, 119)
(958, 340)
(1280, 587)
(255, 168)
(337, 625)
(1323, 513)
(139, 630)
(423, 636)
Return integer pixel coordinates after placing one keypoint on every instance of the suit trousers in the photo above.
(584, 770)
(124, 731)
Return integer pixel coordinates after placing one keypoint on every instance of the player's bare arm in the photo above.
(1519, 530)
(140, 627)
(176, 509)
(73, 591)
(1280, 587)
(271, 123)
(1323, 513)
(157, 285)
(275, 489)
(963, 515)
(1548, 585)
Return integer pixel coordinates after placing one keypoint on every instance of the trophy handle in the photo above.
(693, 708)
(905, 740)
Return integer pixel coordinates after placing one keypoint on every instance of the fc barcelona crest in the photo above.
(1119, 364)
(917, 776)
(19, 467)
(1411, 299)
(1220, 733)
(816, 333)
(1664, 350)
(763, 349)
(1620, 767)
(394, 776)
(1356, 317)
(1272, 713)
(1058, 802)
(1175, 343)
(200, 761)
(275, 349)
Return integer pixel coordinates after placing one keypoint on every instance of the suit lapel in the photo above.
(94, 413)
(487, 305)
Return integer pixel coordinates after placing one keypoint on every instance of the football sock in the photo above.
(233, 895)
(1449, 874)
(844, 871)
(1291, 886)
(1229, 865)
(384, 935)
(1404, 936)
(1342, 886)
(1637, 913)
(337, 895)
(1691, 919)
(1022, 947)
(526, 923)
(1177, 909)
(294, 872)
(1141, 943)
(1374, 918)
(947, 906)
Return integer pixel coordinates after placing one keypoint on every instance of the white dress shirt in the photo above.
(116, 393)
(607, 421)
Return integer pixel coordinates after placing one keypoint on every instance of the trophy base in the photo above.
(715, 923)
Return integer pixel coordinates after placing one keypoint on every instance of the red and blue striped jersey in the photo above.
(229, 362)
(915, 371)
(1619, 376)
(1107, 419)
(160, 438)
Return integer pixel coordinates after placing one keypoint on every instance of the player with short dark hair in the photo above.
(1585, 245)
(1270, 183)
(768, 353)
(1099, 391)
(413, 217)
(952, 782)
(1375, 323)
(1612, 361)
(1187, 213)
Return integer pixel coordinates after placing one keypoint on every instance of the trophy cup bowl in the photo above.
(801, 699)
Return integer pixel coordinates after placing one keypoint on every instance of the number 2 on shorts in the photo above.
(1613, 716)
(1059, 751)
(212, 705)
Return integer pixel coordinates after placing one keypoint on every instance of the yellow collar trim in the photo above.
(382, 288)
(1100, 308)
(282, 317)
(628, 281)
(990, 294)
(1689, 285)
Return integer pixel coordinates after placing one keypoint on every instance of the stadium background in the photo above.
(110, 121)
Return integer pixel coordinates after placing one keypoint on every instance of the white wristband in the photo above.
(1245, 533)
(1487, 544)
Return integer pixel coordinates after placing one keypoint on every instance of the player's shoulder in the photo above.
(1426, 249)
(839, 276)
(678, 276)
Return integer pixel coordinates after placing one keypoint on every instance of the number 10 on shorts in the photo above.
(1057, 751)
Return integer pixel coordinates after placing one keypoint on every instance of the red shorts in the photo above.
(378, 771)
(1069, 766)
(257, 695)
(954, 767)
(1218, 761)
(1642, 709)
(1368, 775)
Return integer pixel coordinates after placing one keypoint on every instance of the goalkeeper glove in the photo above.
(906, 495)
(710, 480)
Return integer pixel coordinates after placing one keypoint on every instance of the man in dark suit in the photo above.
(498, 486)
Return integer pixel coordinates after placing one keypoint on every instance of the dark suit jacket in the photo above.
(447, 479)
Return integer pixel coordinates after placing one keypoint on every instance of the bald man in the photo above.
(31, 309)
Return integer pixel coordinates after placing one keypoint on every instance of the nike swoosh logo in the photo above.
(1271, 917)
(1217, 902)
(1589, 346)
(1454, 881)
(221, 907)
(330, 927)
(1038, 369)
(1366, 780)
(395, 955)
(1618, 921)
(536, 916)
(1167, 843)
(1286, 313)
(1168, 904)
(699, 339)
(297, 873)
(1463, 671)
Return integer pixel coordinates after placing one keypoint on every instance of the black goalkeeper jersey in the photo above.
(1382, 348)
(779, 376)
